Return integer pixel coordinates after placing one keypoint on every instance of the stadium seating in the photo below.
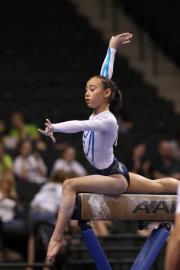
(47, 58)
(48, 53)
(160, 19)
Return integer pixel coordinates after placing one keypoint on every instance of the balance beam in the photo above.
(125, 207)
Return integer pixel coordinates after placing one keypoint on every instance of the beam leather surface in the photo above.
(125, 207)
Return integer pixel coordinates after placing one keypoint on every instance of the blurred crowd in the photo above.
(30, 187)
(32, 171)
(161, 163)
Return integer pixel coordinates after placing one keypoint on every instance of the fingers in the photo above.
(53, 139)
(48, 121)
(47, 134)
(126, 42)
(125, 39)
(43, 132)
(128, 36)
(119, 40)
(123, 35)
(122, 40)
(48, 126)
(50, 259)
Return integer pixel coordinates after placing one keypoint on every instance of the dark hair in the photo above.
(60, 176)
(116, 96)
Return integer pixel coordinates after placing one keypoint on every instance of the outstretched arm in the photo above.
(114, 43)
(75, 126)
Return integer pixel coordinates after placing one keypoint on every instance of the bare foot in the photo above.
(53, 248)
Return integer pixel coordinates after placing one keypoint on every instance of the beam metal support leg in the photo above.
(152, 247)
(94, 246)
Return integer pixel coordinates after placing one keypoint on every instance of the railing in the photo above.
(22, 265)
(120, 254)
(121, 250)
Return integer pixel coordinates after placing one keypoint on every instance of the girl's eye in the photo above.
(91, 88)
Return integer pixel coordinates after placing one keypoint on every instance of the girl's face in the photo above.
(95, 94)
(6, 185)
(26, 149)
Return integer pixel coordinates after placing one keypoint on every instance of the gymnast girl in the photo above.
(100, 134)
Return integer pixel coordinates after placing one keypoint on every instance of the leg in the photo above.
(31, 251)
(100, 227)
(172, 252)
(140, 184)
(112, 185)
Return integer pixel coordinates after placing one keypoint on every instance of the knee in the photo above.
(68, 185)
(175, 183)
(168, 183)
(172, 179)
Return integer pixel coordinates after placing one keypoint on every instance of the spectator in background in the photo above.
(165, 165)
(43, 211)
(20, 129)
(176, 145)
(124, 122)
(29, 166)
(7, 186)
(101, 227)
(67, 162)
(9, 141)
(6, 161)
(2, 129)
(40, 144)
(140, 162)
(10, 211)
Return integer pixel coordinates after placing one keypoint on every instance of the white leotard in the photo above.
(99, 136)
(178, 200)
(100, 132)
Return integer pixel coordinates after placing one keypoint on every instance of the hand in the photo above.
(48, 130)
(120, 40)
(54, 248)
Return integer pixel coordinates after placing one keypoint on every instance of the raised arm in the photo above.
(114, 43)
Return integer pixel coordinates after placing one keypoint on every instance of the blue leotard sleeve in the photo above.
(108, 64)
